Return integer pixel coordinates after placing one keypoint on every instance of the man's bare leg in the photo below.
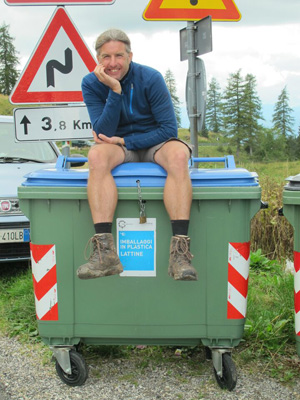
(102, 190)
(103, 197)
(173, 157)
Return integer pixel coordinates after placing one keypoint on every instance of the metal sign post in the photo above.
(196, 39)
(201, 89)
(191, 51)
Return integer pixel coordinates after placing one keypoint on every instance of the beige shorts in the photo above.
(147, 155)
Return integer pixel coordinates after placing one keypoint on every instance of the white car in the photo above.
(16, 160)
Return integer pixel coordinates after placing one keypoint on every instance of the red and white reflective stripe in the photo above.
(43, 261)
(238, 275)
(297, 291)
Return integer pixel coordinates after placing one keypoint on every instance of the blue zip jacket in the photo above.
(142, 114)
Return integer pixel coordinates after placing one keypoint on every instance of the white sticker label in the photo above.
(136, 245)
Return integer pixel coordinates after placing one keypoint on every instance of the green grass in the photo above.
(270, 313)
(269, 335)
(17, 309)
(277, 171)
(5, 107)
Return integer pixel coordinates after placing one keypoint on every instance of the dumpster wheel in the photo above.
(229, 376)
(79, 369)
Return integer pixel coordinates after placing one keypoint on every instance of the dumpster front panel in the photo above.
(147, 308)
(139, 306)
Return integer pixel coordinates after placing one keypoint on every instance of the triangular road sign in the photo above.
(54, 72)
(191, 10)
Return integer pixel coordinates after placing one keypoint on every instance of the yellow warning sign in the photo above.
(191, 10)
(187, 4)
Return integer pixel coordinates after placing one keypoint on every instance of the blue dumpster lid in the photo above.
(149, 175)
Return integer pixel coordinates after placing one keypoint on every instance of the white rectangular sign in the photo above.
(136, 245)
(52, 123)
(56, 2)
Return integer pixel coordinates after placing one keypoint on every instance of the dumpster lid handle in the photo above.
(228, 161)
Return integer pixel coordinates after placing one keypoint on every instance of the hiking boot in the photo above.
(180, 267)
(103, 261)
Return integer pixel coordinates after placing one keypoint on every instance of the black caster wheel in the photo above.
(229, 378)
(208, 354)
(79, 372)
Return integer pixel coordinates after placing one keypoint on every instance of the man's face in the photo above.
(115, 59)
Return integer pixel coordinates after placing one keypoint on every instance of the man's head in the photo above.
(114, 52)
(115, 35)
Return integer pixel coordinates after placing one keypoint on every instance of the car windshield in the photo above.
(12, 151)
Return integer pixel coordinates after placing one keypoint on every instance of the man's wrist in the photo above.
(117, 89)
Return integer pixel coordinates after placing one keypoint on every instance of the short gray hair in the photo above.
(113, 34)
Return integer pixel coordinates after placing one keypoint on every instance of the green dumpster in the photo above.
(291, 210)
(143, 305)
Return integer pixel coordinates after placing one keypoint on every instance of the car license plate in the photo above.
(14, 235)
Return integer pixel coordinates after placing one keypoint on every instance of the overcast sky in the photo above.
(265, 42)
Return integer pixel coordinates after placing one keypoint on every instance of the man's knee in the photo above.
(178, 156)
(182, 154)
(105, 157)
(97, 157)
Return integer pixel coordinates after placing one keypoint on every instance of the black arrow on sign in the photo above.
(25, 121)
(63, 68)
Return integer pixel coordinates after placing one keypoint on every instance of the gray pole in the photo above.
(191, 52)
(65, 151)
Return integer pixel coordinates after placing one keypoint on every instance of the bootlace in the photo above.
(93, 244)
(182, 247)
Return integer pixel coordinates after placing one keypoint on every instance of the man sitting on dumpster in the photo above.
(133, 120)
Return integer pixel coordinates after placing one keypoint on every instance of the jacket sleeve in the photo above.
(163, 113)
(104, 106)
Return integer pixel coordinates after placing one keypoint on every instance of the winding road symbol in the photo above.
(63, 68)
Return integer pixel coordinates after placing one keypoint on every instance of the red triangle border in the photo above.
(20, 94)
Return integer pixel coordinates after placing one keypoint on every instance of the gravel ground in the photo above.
(26, 373)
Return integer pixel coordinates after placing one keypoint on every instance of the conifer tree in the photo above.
(253, 113)
(8, 61)
(282, 116)
(213, 119)
(234, 110)
(171, 85)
